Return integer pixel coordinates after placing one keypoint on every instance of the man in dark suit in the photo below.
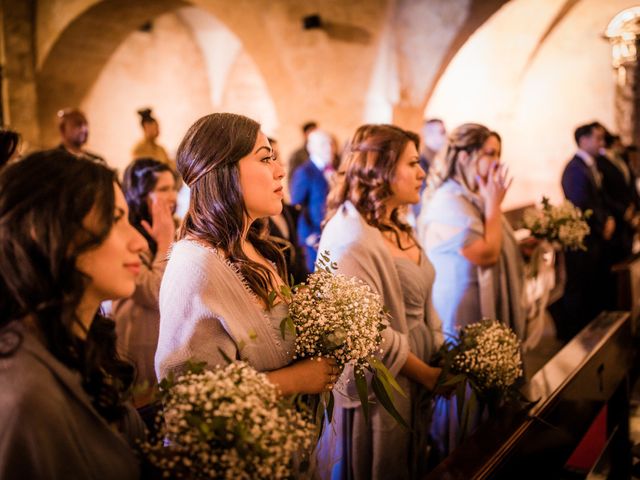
(587, 290)
(309, 189)
(621, 197)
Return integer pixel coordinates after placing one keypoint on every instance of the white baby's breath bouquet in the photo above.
(341, 318)
(563, 224)
(484, 364)
(228, 423)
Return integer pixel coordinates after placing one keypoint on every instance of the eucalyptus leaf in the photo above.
(385, 401)
(378, 365)
(330, 405)
(225, 356)
(363, 394)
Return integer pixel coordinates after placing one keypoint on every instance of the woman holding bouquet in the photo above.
(479, 268)
(66, 247)
(368, 238)
(214, 297)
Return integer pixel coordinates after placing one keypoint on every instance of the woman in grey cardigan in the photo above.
(368, 238)
(66, 247)
(214, 297)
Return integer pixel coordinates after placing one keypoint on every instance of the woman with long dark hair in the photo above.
(66, 247)
(214, 298)
(150, 189)
(367, 236)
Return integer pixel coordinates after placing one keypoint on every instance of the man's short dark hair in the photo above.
(429, 121)
(586, 131)
(307, 127)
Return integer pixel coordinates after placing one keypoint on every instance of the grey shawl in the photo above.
(378, 451)
(49, 428)
(205, 308)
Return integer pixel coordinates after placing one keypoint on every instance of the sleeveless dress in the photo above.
(417, 283)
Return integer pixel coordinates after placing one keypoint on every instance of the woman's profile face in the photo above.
(487, 155)
(165, 190)
(408, 176)
(112, 267)
(261, 177)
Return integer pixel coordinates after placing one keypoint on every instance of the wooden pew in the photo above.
(627, 276)
(590, 372)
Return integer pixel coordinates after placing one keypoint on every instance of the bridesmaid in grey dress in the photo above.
(367, 236)
(479, 269)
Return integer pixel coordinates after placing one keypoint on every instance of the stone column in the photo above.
(625, 46)
(19, 97)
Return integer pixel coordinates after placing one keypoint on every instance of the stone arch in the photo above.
(59, 81)
(534, 85)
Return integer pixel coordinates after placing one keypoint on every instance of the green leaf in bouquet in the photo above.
(287, 325)
(193, 366)
(461, 390)
(285, 291)
(455, 380)
(363, 393)
(225, 356)
(385, 400)
(463, 419)
(474, 407)
(271, 298)
(329, 401)
(381, 367)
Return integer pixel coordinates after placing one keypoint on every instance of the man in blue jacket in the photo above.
(309, 189)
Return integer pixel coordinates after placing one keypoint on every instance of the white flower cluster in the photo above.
(564, 223)
(489, 352)
(228, 424)
(337, 317)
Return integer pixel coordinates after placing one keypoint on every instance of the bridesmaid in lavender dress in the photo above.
(479, 268)
(367, 236)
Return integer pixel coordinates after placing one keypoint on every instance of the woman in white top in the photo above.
(214, 294)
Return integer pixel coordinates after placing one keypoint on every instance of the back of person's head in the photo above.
(434, 134)
(207, 159)
(139, 179)
(70, 116)
(309, 127)
(367, 171)
(145, 116)
(9, 142)
(44, 200)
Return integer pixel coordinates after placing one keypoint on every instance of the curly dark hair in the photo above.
(207, 160)
(139, 179)
(365, 176)
(43, 201)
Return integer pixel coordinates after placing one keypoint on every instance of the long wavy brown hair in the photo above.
(44, 200)
(208, 159)
(365, 176)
